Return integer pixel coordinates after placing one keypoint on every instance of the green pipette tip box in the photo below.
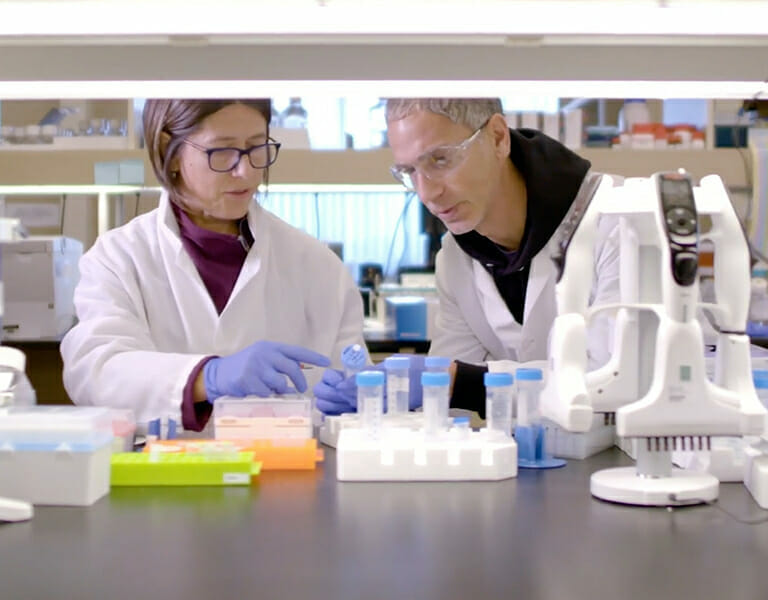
(141, 468)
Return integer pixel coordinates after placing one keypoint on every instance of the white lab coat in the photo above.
(474, 325)
(146, 318)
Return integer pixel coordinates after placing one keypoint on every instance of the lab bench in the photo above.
(303, 534)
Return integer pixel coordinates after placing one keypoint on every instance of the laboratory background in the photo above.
(282, 502)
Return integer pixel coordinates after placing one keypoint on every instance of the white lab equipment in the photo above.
(530, 434)
(398, 416)
(655, 379)
(435, 399)
(438, 451)
(12, 379)
(353, 357)
(57, 455)
(437, 363)
(499, 397)
(370, 401)
(398, 384)
(40, 274)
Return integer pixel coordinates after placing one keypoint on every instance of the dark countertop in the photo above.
(303, 535)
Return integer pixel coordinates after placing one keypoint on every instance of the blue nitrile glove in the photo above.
(260, 370)
(336, 394)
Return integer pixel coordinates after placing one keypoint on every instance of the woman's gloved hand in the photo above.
(260, 370)
(336, 394)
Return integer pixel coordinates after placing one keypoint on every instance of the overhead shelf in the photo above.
(331, 167)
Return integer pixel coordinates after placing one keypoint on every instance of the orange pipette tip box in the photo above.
(288, 454)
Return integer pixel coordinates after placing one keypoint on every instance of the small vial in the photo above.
(436, 364)
(461, 427)
(353, 358)
(370, 400)
(398, 384)
(498, 402)
(435, 402)
(530, 434)
(760, 378)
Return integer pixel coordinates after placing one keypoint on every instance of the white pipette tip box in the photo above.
(405, 455)
(288, 416)
(756, 472)
(328, 432)
(566, 444)
(55, 455)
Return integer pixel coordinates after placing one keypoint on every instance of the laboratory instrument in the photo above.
(655, 380)
(530, 434)
(39, 274)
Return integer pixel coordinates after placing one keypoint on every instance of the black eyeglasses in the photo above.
(223, 160)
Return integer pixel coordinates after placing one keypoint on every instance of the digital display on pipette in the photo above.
(678, 209)
(676, 191)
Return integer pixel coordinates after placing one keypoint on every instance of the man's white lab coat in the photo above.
(146, 318)
(474, 324)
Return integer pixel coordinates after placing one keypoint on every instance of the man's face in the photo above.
(451, 170)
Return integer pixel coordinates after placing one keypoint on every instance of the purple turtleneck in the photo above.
(218, 258)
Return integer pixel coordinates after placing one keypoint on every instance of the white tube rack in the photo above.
(406, 455)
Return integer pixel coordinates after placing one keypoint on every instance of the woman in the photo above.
(209, 294)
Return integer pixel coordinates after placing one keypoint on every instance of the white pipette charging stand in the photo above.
(656, 379)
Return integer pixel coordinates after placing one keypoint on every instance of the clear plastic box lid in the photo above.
(78, 428)
(252, 417)
(289, 405)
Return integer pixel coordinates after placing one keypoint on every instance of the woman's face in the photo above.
(221, 196)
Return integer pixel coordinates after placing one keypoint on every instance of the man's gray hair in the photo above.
(472, 112)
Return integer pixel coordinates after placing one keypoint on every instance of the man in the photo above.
(501, 194)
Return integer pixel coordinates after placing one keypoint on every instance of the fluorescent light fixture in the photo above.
(28, 90)
(403, 18)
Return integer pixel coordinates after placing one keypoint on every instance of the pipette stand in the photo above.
(666, 401)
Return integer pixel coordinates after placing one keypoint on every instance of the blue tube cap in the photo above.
(497, 379)
(760, 378)
(353, 357)
(435, 379)
(528, 374)
(369, 378)
(397, 362)
(437, 362)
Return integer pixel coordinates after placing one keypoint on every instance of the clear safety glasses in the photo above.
(436, 163)
(223, 160)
